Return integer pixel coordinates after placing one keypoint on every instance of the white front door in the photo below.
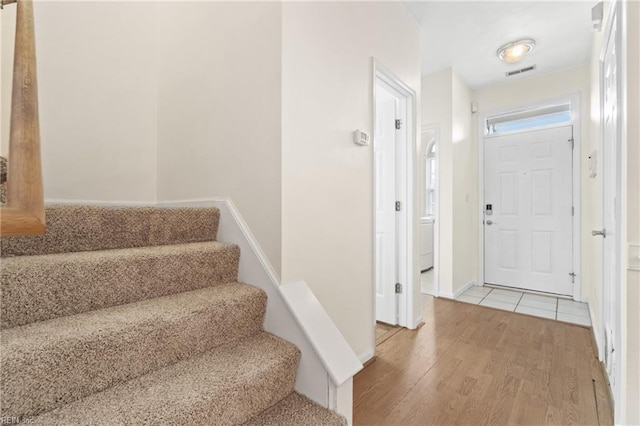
(528, 226)
(610, 207)
(386, 273)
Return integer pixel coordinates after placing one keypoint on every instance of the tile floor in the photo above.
(527, 303)
(426, 282)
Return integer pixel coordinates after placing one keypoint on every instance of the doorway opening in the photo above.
(429, 193)
(393, 146)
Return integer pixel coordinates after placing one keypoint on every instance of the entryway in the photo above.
(529, 210)
(479, 366)
(537, 305)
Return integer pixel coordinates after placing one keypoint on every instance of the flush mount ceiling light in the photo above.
(516, 50)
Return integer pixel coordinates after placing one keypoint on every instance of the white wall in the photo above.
(437, 107)
(135, 108)
(97, 94)
(465, 188)
(327, 204)
(219, 109)
(446, 101)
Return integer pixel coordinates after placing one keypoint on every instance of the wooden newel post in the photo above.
(24, 214)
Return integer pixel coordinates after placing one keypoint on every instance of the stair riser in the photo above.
(49, 376)
(183, 394)
(296, 409)
(43, 287)
(90, 228)
(242, 404)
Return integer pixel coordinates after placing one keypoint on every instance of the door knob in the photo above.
(603, 233)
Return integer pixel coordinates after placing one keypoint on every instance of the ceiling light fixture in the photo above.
(516, 50)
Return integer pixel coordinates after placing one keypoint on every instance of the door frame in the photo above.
(575, 100)
(407, 315)
(616, 15)
(436, 223)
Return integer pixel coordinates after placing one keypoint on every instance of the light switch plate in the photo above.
(361, 138)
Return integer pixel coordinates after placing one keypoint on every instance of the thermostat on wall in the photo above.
(361, 138)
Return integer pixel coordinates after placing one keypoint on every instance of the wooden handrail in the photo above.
(24, 213)
(3, 2)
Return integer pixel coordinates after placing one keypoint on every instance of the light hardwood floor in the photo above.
(475, 365)
(385, 331)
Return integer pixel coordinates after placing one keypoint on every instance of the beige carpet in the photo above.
(135, 316)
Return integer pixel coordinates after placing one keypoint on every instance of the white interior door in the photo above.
(528, 235)
(385, 198)
(610, 206)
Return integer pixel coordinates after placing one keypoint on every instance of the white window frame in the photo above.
(430, 177)
(533, 114)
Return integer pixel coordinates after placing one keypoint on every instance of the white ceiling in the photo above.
(466, 35)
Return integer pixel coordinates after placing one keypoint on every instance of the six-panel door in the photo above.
(528, 236)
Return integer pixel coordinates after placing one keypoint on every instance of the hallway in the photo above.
(474, 365)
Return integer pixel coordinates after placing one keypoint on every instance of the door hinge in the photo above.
(572, 142)
(573, 211)
(398, 206)
(573, 277)
(398, 124)
(398, 288)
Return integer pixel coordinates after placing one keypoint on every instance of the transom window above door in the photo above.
(530, 119)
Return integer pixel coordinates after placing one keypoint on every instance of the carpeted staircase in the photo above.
(134, 316)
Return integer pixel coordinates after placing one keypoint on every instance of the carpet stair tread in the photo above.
(73, 228)
(297, 410)
(54, 362)
(226, 386)
(37, 288)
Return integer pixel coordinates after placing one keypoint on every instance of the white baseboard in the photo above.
(459, 292)
(366, 355)
(195, 202)
(466, 287)
(100, 203)
(595, 330)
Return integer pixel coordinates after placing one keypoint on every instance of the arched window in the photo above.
(430, 176)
